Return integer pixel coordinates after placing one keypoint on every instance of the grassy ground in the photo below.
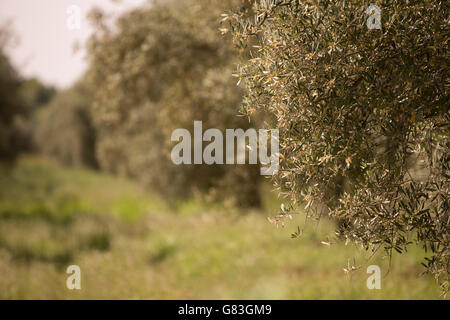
(131, 245)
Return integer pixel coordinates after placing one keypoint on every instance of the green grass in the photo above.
(131, 245)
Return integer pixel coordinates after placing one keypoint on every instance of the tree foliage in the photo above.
(361, 111)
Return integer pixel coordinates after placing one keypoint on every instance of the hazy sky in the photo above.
(45, 42)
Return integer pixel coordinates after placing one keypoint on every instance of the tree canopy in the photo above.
(363, 114)
(157, 69)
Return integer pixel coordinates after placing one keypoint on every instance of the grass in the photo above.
(131, 245)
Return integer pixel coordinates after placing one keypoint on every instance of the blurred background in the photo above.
(87, 107)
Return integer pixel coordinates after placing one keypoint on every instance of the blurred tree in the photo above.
(12, 107)
(35, 93)
(161, 68)
(64, 128)
(363, 114)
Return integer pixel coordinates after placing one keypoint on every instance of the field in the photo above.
(131, 245)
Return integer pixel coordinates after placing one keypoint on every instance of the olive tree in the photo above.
(159, 68)
(363, 113)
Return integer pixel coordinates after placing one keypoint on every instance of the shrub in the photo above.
(363, 114)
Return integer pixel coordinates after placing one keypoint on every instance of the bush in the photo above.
(64, 128)
(163, 67)
(363, 114)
